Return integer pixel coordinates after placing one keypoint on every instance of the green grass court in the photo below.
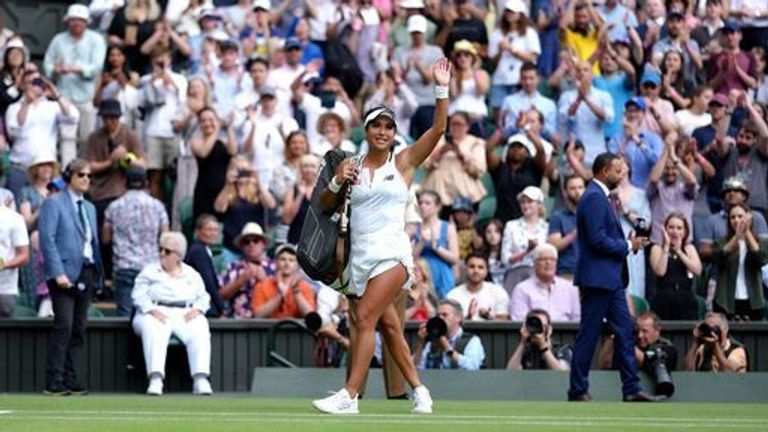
(108, 413)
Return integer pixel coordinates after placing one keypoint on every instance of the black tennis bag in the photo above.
(321, 252)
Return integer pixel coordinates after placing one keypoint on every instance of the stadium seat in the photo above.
(24, 312)
(94, 312)
(185, 216)
(641, 304)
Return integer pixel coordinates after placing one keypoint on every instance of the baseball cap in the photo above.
(651, 76)
(730, 27)
(720, 99)
(637, 101)
(292, 42)
(417, 24)
(268, 90)
(461, 203)
(533, 193)
(516, 6)
(412, 4)
(261, 4)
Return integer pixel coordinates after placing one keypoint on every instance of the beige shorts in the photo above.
(161, 152)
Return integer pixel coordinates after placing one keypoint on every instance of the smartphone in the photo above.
(38, 82)
(327, 99)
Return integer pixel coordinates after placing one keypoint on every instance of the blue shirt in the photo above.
(87, 53)
(615, 16)
(521, 101)
(584, 124)
(563, 222)
(642, 156)
(621, 90)
(471, 359)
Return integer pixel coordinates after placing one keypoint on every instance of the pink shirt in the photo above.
(560, 299)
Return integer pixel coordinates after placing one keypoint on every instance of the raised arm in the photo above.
(412, 157)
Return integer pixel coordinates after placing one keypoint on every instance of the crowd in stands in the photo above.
(211, 118)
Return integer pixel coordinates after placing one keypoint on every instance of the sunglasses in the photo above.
(166, 251)
(84, 175)
(649, 85)
(250, 241)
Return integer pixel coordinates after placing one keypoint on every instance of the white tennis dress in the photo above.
(377, 227)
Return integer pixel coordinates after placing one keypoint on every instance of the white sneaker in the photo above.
(422, 401)
(202, 386)
(337, 403)
(155, 387)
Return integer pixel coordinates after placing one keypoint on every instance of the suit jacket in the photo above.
(62, 236)
(198, 258)
(602, 246)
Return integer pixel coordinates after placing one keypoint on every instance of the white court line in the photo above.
(179, 416)
(5, 412)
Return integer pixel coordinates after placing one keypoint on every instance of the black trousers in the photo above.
(66, 343)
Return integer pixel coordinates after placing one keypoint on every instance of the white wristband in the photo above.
(333, 186)
(441, 92)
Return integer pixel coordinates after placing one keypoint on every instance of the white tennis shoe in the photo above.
(422, 400)
(202, 386)
(155, 387)
(337, 403)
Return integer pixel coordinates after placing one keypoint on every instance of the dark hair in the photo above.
(207, 108)
(698, 91)
(429, 192)
(731, 232)
(126, 67)
(686, 226)
(529, 66)
(486, 247)
(651, 315)
(257, 59)
(603, 161)
(203, 220)
(572, 177)
(477, 255)
(6, 68)
(537, 311)
(73, 167)
(463, 114)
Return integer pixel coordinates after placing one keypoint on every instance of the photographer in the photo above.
(443, 343)
(535, 350)
(649, 345)
(715, 350)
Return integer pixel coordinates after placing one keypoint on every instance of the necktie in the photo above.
(615, 205)
(83, 216)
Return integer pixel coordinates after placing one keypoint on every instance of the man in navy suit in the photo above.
(602, 276)
(70, 245)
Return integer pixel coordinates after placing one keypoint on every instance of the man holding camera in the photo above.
(443, 343)
(535, 350)
(651, 351)
(715, 350)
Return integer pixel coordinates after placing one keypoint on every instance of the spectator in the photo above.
(732, 68)
(640, 147)
(109, 150)
(413, 63)
(662, 113)
(669, 193)
(456, 349)
(287, 174)
(618, 20)
(436, 241)
(284, 295)
(676, 85)
(311, 53)
(259, 72)
(511, 46)
(497, 268)
(761, 58)
(252, 29)
(751, 15)
(463, 216)
(706, 142)
(678, 38)
(544, 290)
(652, 27)
(118, 81)
(706, 33)
(241, 277)
(164, 36)
(399, 32)
(243, 199)
(696, 115)
(103, 11)
(618, 79)
(132, 224)
(547, 19)
(715, 350)
(483, 301)
(463, 20)
(562, 228)
(648, 340)
(748, 158)
(236, 15)
(332, 133)
(14, 254)
(69, 240)
(675, 263)
(521, 166)
(332, 97)
(585, 111)
(74, 60)
(535, 350)
(170, 299)
(200, 258)
(457, 164)
(15, 56)
(421, 303)
(213, 148)
(393, 92)
(32, 124)
(580, 29)
(522, 235)
(739, 257)
(469, 86)
(560, 169)
(131, 27)
(297, 199)
(202, 44)
(162, 96)
(514, 105)
(227, 80)
(634, 206)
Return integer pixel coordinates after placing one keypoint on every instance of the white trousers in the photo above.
(195, 335)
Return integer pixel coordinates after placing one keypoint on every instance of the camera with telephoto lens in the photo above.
(313, 321)
(436, 328)
(708, 331)
(534, 325)
(642, 228)
(655, 359)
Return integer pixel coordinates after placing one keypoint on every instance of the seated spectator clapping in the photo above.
(285, 295)
(241, 277)
(480, 299)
